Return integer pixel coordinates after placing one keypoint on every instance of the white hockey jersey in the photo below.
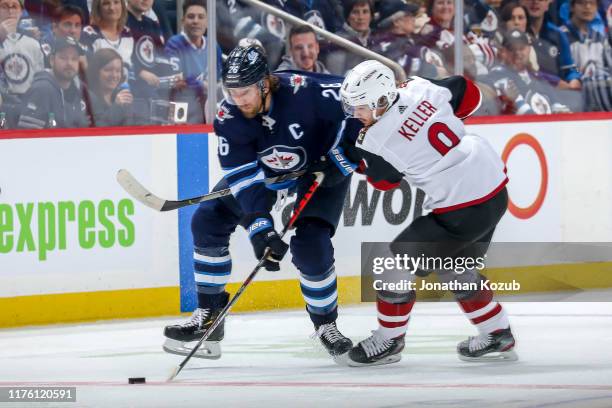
(423, 137)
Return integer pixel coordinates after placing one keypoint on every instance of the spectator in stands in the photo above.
(598, 23)
(67, 22)
(514, 17)
(148, 41)
(190, 49)
(520, 89)
(164, 13)
(442, 14)
(591, 49)
(235, 21)
(395, 39)
(108, 30)
(481, 17)
(43, 12)
(592, 52)
(489, 104)
(439, 32)
(20, 58)
(155, 75)
(551, 45)
(109, 96)
(358, 15)
(54, 96)
(304, 50)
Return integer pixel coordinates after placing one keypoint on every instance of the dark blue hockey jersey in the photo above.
(304, 122)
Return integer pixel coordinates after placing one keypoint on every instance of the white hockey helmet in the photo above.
(370, 83)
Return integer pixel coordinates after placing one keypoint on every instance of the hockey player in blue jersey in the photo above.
(271, 124)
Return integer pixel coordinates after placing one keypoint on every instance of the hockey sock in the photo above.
(485, 313)
(393, 317)
(212, 267)
(321, 296)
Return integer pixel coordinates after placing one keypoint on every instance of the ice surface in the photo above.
(269, 360)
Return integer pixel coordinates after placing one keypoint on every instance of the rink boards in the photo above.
(74, 246)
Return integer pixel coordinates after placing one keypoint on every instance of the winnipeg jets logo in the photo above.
(539, 104)
(223, 113)
(314, 17)
(283, 158)
(252, 56)
(275, 25)
(17, 68)
(145, 51)
(297, 81)
(267, 121)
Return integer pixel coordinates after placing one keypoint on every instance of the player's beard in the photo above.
(251, 111)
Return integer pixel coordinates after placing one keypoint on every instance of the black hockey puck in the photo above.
(137, 380)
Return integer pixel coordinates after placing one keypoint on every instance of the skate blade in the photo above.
(387, 360)
(504, 356)
(210, 350)
(342, 359)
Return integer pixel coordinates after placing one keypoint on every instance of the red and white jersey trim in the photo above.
(472, 99)
(473, 202)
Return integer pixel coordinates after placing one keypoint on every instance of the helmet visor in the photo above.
(349, 110)
(359, 111)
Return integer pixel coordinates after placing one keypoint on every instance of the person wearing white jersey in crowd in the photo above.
(415, 132)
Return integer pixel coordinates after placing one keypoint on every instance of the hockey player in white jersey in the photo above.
(415, 132)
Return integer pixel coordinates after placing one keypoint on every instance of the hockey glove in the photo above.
(262, 235)
(336, 167)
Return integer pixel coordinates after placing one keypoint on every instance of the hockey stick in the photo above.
(140, 193)
(319, 176)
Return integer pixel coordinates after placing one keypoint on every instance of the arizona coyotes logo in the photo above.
(362, 134)
(297, 81)
(282, 158)
(223, 113)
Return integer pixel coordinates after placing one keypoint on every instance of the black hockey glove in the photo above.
(262, 235)
(336, 167)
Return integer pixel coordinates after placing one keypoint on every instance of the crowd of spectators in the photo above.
(78, 63)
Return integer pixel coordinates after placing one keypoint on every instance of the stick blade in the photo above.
(174, 373)
(138, 191)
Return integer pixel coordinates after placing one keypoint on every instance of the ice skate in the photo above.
(336, 344)
(177, 336)
(376, 350)
(495, 346)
